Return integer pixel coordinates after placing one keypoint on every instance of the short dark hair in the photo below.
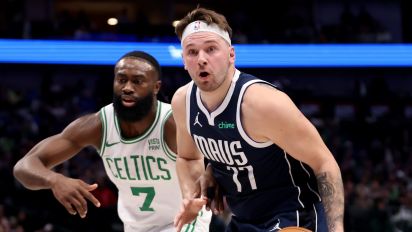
(145, 56)
(206, 15)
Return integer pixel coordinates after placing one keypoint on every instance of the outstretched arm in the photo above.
(275, 117)
(35, 172)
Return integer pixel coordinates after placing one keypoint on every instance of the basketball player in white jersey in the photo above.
(135, 137)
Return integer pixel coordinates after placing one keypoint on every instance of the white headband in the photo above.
(198, 26)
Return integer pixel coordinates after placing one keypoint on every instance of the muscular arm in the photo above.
(331, 190)
(189, 163)
(35, 172)
(275, 117)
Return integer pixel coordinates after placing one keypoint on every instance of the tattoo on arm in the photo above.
(331, 191)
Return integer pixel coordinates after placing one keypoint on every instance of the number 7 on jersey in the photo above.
(150, 194)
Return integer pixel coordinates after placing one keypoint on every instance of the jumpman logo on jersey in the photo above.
(276, 227)
(197, 120)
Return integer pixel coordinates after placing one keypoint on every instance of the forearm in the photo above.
(188, 172)
(32, 174)
(331, 191)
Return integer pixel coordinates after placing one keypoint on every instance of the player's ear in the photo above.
(157, 86)
(232, 54)
(184, 65)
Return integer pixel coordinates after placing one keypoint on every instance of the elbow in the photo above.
(18, 170)
(328, 165)
(19, 174)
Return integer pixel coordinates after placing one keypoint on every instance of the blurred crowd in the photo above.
(367, 130)
(290, 22)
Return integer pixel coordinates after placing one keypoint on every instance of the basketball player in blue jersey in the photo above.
(269, 161)
(136, 139)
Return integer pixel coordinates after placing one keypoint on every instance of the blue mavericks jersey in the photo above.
(259, 180)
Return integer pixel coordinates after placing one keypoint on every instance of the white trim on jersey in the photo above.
(242, 132)
(307, 183)
(292, 179)
(163, 142)
(145, 133)
(103, 119)
(211, 117)
(316, 218)
(297, 218)
(188, 94)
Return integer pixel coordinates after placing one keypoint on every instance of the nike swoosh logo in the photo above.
(110, 144)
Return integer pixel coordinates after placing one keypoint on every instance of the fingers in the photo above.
(69, 208)
(214, 199)
(177, 219)
(79, 201)
(189, 211)
(92, 187)
(220, 206)
(198, 203)
(73, 195)
(216, 203)
(88, 195)
(74, 206)
(210, 193)
(203, 187)
(179, 226)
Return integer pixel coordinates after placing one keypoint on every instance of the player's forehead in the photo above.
(134, 63)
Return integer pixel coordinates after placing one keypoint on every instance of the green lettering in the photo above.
(151, 158)
(144, 167)
(159, 161)
(127, 169)
(118, 168)
(134, 158)
(108, 160)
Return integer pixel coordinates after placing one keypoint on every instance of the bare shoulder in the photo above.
(87, 121)
(85, 130)
(266, 99)
(266, 109)
(170, 122)
(179, 96)
(179, 102)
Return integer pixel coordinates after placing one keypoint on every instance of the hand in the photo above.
(210, 188)
(72, 194)
(189, 211)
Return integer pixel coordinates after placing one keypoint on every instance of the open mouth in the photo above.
(203, 74)
(128, 101)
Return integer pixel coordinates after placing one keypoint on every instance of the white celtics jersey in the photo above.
(144, 171)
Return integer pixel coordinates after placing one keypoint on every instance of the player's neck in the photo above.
(134, 129)
(213, 99)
